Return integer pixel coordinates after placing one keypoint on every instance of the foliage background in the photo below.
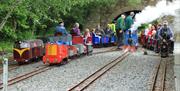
(31, 18)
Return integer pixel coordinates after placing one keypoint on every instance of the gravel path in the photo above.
(170, 80)
(63, 77)
(130, 75)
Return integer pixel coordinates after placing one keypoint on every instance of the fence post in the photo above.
(5, 74)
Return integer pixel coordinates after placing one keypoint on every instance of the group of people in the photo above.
(150, 37)
(120, 28)
(154, 35)
(75, 31)
(123, 26)
(99, 32)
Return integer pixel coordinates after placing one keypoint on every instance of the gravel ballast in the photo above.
(33, 65)
(170, 79)
(95, 50)
(23, 69)
(63, 77)
(132, 74)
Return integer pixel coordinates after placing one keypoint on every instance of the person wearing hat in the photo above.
(61, 30)
(167, 33)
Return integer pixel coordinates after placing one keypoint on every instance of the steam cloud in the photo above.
(151, 13)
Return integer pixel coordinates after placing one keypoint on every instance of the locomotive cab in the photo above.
(21, 44)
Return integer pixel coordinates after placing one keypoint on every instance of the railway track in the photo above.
(16, 66)
(9, 69)
(36, 71)
(158, 78)
(110, 50)
(26, 76)
(93, 77)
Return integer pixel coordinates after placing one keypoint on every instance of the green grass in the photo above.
(6, 46)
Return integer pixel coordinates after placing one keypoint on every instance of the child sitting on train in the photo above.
(94, 33)
(87, 34)
(99, 31)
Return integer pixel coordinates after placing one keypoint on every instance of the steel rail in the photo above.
(90, 79)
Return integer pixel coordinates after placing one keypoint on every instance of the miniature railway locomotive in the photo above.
(26, 50)
(63, 47)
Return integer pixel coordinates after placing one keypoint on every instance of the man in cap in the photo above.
(166, 32)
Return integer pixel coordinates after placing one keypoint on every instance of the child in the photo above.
(86, 35)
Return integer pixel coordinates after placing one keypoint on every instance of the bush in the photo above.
(7, 46)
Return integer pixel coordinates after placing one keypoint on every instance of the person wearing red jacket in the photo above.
(151, 36)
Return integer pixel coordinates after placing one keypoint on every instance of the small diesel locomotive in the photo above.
(26, 50)
(61, 48)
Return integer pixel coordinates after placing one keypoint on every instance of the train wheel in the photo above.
(90, 53)
(145, 53)
(51, 64)
(65, 61)
(20, 63)
(40, 58)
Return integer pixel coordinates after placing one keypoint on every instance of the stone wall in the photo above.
(105, 15)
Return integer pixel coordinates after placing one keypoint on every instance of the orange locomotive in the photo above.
(65, 47)
(55, 53)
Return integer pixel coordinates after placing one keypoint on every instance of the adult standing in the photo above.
(120, 27)
(129, 21)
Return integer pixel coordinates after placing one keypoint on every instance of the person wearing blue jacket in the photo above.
(61, 30)
(166, 32)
